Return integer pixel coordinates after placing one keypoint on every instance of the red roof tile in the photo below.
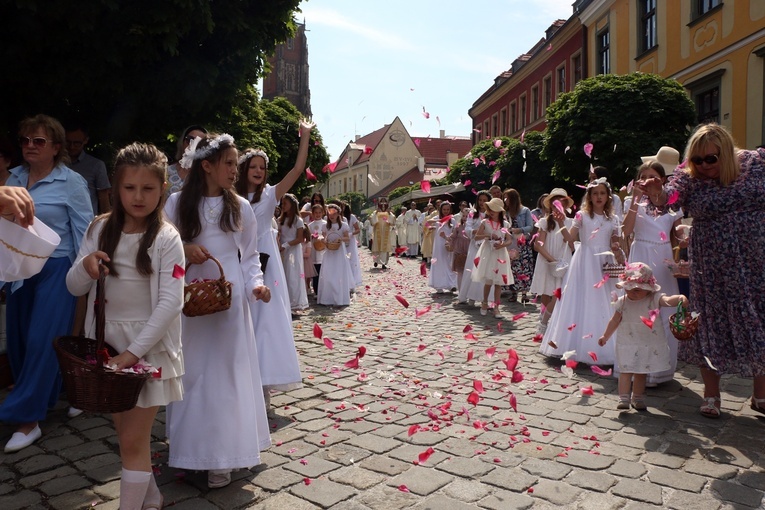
(434, 149)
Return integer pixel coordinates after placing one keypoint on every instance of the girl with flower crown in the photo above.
(272, 321)
(641, 345)
(139, 252)
(220, 424)
(583, 310)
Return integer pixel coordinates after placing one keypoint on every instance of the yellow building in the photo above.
(715, 49)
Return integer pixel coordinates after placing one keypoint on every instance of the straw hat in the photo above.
(668, 157)
(24, 251)
(561, 195)
(638, 276)
(495, 204)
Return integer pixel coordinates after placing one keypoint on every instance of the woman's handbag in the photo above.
(89, 385)
(208, 296)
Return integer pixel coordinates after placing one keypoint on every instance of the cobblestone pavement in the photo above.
(400, 431)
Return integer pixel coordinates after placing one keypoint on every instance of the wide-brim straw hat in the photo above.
(558, 194)
(495, 204)
(24, 251)
(667, 157)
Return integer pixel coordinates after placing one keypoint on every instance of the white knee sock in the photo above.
(133, 485)
(153, 498)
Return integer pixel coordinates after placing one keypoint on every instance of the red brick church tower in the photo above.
(289, 72)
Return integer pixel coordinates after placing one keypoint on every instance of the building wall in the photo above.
(557, 53)
(718, 56)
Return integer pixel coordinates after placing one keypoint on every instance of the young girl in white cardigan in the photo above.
(141, 255)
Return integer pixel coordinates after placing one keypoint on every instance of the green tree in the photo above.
(623, 117)
(138, 69)
(520, 166)
(356, 200)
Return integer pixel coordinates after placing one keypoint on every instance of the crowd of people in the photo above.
(214, 212)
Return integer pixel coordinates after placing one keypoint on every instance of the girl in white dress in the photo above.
(353, 247)
(140, 253)
(317, 254)
(272, 321)
(334, 278)
(641, 348)
(221, 423)
(291, 238)
(493, 268)
(442, 277)
(554, 254)
(583, 310)
(654, 237)
(470, 290)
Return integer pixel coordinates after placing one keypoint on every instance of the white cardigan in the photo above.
(166, 291)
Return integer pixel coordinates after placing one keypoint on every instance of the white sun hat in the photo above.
(24, 251)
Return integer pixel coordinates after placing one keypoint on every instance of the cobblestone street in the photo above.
(421, 407)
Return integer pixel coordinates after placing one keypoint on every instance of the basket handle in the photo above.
(100, 311)
(220, 268)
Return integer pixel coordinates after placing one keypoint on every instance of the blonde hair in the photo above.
(718, 136)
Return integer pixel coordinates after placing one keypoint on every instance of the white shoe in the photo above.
(73, 412)
(217, 478)
(19, 440)
(541, 328)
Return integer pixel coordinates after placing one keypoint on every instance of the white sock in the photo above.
(153, 497)
(133, 486)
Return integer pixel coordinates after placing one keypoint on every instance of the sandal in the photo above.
(711, 408)
(758, 404)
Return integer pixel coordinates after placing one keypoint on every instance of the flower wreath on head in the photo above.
(251, 153)
(598, 182)
(192, 153)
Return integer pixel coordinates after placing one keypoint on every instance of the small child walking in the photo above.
(641, 346)
(493, 266)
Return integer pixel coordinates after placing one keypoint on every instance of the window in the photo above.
(534, 102)
(486, 132)
(548, 91)
(494, 125)
(708, 105)
(289, 77)
(560, 74)
(523, 111)
(503, 122)
(576, 63)
(513, 118)
(290, 43)
(647, 24)
(702, 7)
(603, 41)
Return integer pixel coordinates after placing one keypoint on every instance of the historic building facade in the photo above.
(289, 72)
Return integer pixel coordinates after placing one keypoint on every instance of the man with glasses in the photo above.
(92, 169)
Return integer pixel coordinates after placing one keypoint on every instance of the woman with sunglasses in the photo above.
(723, 189)
(41, 308)
(176, 174)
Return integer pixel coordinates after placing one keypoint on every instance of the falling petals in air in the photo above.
(593, 355)
(557, 293)
(419, 312)
(601, 282)
(559, 206)
(403, 301)
(468, 182)
(663, 236)
(588, 149)
(647, 321)
(709, 363)
(476, 261)
(309, 175)
(571, 363)
(495, 176)
(400, 250)
(425, 186)
(328, 343)
(571, 327)
(599, 371)
(672, 198)
(566, 355)
(317, 332)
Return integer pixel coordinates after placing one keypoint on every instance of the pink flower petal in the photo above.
(603, 373)
(178, 272)
(593, 355)
(425, 186)
(309, 175)
(403, 301)
(421, 311)
(424, 456)
(328, 343)
(587, 390)
(473, 398)
(317, 332)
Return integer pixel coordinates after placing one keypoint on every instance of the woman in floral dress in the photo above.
(723, 189)
(522, 225)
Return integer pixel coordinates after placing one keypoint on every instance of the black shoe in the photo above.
(375, 264)
(384, 266)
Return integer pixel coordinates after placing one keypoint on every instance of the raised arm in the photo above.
(293, 175)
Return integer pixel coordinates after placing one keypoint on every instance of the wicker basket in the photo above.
(319, 245)
(615, 270)
(90, 386)
(685, 329)
(333, 245)
(681, 269)
(208, 297)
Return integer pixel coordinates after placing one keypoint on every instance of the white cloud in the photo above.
(334, 19)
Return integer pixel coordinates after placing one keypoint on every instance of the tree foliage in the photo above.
(520, 166)
(356, 200)
(138, 69)
(623, 117)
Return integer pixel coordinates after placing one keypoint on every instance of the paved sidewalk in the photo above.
(399, 431)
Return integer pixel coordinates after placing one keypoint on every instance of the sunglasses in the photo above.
(38, 142)
(709, 159)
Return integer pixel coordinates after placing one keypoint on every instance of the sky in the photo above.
(374, 60)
